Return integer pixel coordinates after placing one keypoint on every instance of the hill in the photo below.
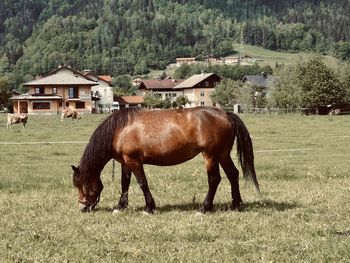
(133, 37)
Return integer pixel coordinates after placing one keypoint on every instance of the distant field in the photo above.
(302, 214)
(270, 57)
(264, 56)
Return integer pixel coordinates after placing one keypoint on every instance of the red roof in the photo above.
(129, 99)
(155, 84)
(106, 78)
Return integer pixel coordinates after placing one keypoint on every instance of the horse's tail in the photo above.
(244, 148)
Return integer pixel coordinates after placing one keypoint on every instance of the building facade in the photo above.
(56, 91)
(199, 88)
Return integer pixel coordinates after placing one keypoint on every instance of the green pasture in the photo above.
(301, 215)
(270, 57)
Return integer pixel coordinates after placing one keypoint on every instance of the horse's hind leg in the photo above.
(214, 179)
(232, 175)
(125, 181)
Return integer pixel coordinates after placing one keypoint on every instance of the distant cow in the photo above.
(16, 118)
(70, 114)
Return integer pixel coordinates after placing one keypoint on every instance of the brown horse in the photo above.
(68, 113)
(135, 137)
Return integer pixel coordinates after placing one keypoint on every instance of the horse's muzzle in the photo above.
(88, 207)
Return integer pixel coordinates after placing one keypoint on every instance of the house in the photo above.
(162, 87)
(259, 83)
(102, 93)
(61, 88)
(188, 61)
(198, 88)
(214, 60)
(233, 60)
(137, 81)
(246, 60)
(121, 102)
(262, 81)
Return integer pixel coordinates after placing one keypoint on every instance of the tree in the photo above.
(4, 94)
(152, 100)
(141, 68)
(182, 100)
(122, 84)
(345, 79)
(319, 84)
(166, 103)
(284, 91)
(183, 72)
(226, 93)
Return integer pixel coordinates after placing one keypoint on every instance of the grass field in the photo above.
(302, 214)
(270, 57)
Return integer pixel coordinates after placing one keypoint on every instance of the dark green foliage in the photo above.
(125, 37)
(311, 84)
(319, 85)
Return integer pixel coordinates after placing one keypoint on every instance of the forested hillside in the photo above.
(132, 36)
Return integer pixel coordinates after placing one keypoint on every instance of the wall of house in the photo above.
(169, 94)
(72, 105)
(105, 92)
(203, 96)
(84, 95)
(199, 96)
(54, 108)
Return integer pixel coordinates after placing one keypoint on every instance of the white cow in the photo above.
(15, 118)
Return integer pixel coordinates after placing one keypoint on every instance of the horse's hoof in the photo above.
(237, 208)
(116, 211)
(148, 211)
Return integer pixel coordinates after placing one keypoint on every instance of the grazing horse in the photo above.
(14, 118)
(135, 137)
(68, 113)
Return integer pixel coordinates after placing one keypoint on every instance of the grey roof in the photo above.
(259, 80)
(192, 81)
(62, 76)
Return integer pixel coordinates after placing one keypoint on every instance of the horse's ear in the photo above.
(75, 169)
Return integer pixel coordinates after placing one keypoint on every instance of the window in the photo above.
(202, 103)
(202, 93)
(72, 92)
(39, 90)
(80, 105)
(174, 95)
(60, 104)
(41, 105)
(207, 83)
(54, 90)
(67, 104)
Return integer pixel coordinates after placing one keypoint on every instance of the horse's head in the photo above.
(89, 190)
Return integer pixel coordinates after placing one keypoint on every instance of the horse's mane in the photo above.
(99, 149)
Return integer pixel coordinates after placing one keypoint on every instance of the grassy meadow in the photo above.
(270, 57)
(301, 215)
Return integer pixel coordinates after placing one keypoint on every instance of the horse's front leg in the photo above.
(125, 182)
(137, 168)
